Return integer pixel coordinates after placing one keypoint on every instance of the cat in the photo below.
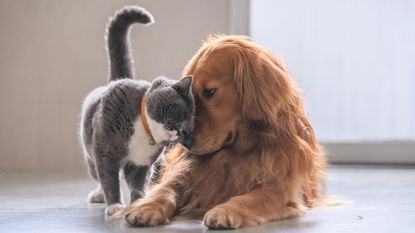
(126, 124)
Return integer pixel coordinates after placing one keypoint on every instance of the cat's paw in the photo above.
(114, 208)
(96, 196)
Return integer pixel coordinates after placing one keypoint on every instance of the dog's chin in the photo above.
(227, 143)
(206, 152)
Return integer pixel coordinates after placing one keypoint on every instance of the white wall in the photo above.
(355, 61)
(52, 54)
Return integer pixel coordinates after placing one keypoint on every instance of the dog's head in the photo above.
(238, 87)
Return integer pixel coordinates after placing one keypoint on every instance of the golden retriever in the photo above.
(254, 157)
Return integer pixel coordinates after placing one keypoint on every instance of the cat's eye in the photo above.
(209, 92)
(172, 125)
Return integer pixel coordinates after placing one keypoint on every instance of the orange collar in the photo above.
(144, 121)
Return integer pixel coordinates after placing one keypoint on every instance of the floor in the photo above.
(382, 200)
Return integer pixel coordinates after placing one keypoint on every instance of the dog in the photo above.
(254, 157)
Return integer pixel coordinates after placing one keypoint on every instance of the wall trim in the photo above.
(371, 153)
(239, 17)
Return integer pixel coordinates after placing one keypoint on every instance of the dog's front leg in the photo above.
(156, 208)
(253, 208)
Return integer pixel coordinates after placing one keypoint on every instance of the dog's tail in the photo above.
(118, 43)
(329, 201)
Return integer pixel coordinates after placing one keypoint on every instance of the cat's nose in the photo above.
(186, 138)
(185, 133)
(188, 143)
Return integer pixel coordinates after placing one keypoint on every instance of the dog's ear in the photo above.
(262, 84)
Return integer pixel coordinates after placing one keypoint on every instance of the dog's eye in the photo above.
(209, 92)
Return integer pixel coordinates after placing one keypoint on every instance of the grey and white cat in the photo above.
(112, 130)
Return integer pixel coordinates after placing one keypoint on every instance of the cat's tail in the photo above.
(118, 42)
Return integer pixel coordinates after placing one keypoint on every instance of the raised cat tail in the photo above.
(118, 43)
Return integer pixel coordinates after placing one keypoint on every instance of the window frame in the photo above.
(382, 152)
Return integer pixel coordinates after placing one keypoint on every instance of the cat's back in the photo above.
(119, 106)
(93, 98)
(117, 102)
(125, 88)
(116, 92)
(123, 97)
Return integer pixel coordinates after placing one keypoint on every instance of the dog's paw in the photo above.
(227, 217)
(112, 209)
(221, 217)
(146, 215)
(96, 196)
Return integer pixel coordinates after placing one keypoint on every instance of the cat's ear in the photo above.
(184, 86)
(158, 82)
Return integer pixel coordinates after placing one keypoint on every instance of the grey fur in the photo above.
(110, 115)
(118, 40)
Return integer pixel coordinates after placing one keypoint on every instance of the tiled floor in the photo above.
(383, 200)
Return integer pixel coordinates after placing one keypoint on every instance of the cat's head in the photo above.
(170, 107)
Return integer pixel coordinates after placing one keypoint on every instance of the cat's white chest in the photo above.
(140, 151)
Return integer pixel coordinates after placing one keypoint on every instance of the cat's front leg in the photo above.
(136, 177)
(108, 172)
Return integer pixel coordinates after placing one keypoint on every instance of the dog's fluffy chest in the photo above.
(140, 151)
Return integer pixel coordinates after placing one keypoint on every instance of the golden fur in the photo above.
(255, 157)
